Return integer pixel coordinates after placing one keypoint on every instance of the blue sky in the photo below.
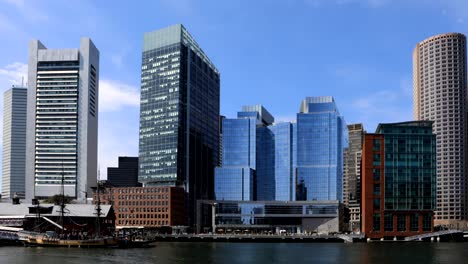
(269, 52)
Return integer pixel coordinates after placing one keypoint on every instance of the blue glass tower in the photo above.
(321, 138)
(284, 151)
(243, 142)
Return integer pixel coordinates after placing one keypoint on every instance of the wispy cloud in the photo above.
(114, 95)
(9, 75)
(383, 106)
(15, 72)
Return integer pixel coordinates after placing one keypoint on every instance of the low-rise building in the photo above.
(321, 217)
(399, 180)
(40, 217)
(146, 207)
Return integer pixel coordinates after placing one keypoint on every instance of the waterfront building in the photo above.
(352, 175)
(284, 162)
(126, 174)
(62, 120)
(319, 217)
(77, 217)
(14, 142)
(241, 173)
(146, 207)
(399, 180)
(179, 114)
(440, 83)
(321, 139)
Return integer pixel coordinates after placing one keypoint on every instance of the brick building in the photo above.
(137, 207)
(399, 180)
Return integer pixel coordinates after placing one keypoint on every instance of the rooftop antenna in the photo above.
(22, 81)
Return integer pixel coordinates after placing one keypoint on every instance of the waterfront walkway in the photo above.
(434, 234)
(296, 238)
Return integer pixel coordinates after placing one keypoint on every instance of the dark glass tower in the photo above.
(179, 114)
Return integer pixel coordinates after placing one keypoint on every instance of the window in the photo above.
(427, 222)
(376, 224)
(401, 223)
(388, 222)
(376, 204)
(376, 174)
(376, 159)
(377, 189)
(414, 222)
(376, 144)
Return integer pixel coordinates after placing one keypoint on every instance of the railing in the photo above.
(434, 234)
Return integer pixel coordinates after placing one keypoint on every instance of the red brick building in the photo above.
(146, 206)
(398, 180)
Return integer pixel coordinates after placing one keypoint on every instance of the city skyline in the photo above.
(339, 73)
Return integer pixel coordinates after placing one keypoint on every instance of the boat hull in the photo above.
(89, 243)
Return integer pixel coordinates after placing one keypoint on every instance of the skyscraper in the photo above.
(352, 174)
(62, 120)
(179, 114)
(321, 139)
(440, 84)
(284, 162)
(14, 142)
(244, 157)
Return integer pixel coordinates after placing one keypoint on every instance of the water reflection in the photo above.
(207, 253)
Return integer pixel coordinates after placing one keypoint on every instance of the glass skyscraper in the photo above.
(321, 139)
(284, 162)
(246, 139)
(179, 114)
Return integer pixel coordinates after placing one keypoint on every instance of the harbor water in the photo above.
(206, 253)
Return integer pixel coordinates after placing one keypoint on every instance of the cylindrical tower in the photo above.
(439, 77)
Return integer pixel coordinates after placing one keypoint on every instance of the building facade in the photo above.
(284, 162)
(62, 120)
(145, 207)
(399, 180)
(440, 84)
(321, 139)
(352, 175)
(244, 139)
(297, 217)
(179, 114)
(14, 142)
(126, 174)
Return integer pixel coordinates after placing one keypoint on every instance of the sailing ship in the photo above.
(52, 239)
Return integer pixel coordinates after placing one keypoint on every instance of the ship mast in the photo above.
(62, 198)
(98, 207)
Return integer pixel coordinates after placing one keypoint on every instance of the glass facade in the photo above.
(321, 139)
(235, 179)
(179, 114)
(248, 157)
(270, 216)
(285, 182)
(410, 166)
(399, 173)
(235, 184)
(265, 164)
